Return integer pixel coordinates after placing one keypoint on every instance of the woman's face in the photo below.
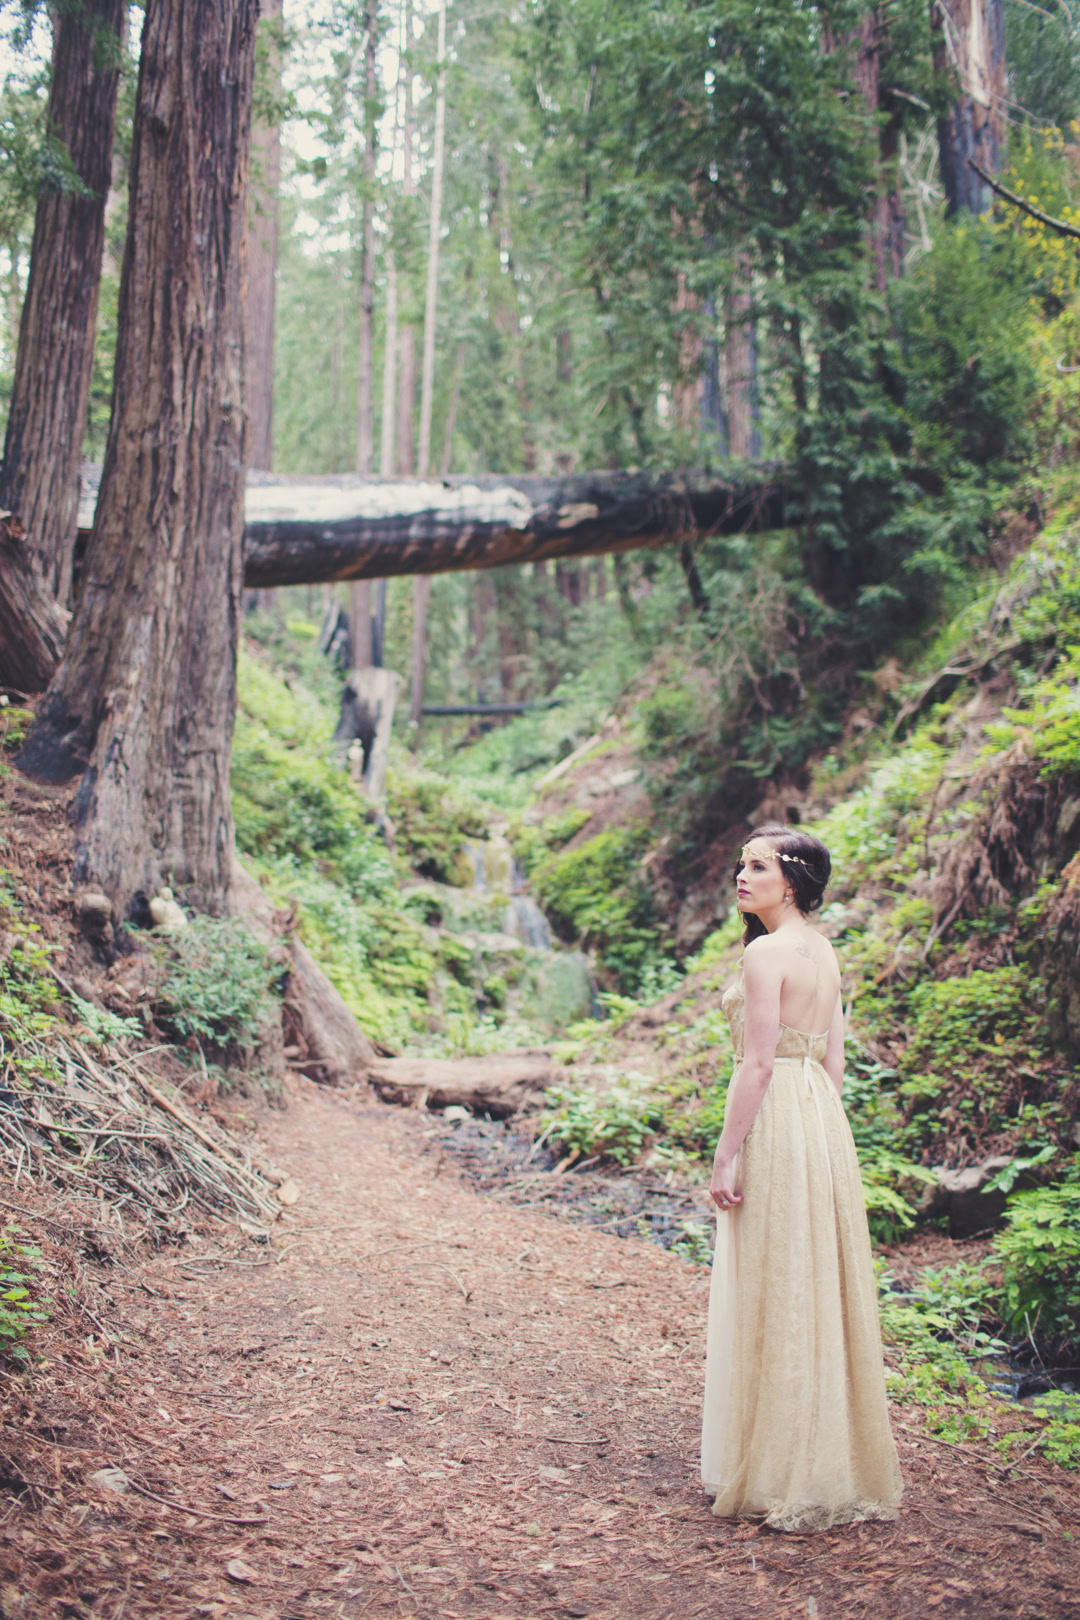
(760, 885)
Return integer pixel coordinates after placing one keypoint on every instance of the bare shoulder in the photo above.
(762, 955)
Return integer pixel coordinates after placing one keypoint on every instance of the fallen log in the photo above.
(308, 531)
(499, 1085)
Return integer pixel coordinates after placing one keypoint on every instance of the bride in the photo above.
(796, 1426)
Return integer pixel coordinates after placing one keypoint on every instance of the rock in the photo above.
(109, 1479)
(959, 1195)
(288, 1192)
(165, 913)
(555, 990)
(241, 1573)
(94, 911)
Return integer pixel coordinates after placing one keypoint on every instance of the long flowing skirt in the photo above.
(796, 1425)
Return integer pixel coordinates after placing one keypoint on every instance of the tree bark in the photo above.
(32, 622)
(306, 531)
(886, 213)
(347, 528)
(427, 387)
(365, 373)
(969, 41)
(46, 423)
(740, 368)
(262, 251)
(406, 391)
(143, 702)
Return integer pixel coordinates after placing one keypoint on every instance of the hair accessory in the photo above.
(772, 855)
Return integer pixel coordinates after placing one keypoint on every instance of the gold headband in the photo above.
(770, 855)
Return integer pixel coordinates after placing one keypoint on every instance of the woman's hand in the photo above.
(722, 1186)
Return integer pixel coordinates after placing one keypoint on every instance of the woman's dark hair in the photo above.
(806, 871)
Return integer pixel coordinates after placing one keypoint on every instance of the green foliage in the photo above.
(1039, 1252)
(966, 1039)
(14, 724)
(22, 1303)
(103, 1027)
(290, 799)
(533, 841)
(616, 1124)
(213, 983)
(934, 1334)
(433, 818)
(29, 1001)
(596, 893)
(1060, 1439)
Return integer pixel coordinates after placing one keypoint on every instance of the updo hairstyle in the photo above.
(806, 869)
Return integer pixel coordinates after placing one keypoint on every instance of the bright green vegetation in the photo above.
(29, 997)
(22, 1301)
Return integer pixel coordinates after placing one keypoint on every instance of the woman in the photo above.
(796, 1427)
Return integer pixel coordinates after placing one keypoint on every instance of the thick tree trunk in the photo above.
(262, 251)
(969, 39)
(32, 622)
(46, 424)
(143, 701)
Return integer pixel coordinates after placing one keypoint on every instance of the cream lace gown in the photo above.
(796, 1427)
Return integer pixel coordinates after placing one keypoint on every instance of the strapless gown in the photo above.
(796, 1425)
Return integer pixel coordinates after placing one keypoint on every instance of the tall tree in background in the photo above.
(262, 249)
(360, 637)
(422, 582)
(406, 388)
(48, 413)
(144, 699)
(969, 43)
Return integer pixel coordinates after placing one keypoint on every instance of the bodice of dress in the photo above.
(790, 1043)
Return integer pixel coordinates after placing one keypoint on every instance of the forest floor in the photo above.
(420, 1401)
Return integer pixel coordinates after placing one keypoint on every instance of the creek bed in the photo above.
(501, 1160)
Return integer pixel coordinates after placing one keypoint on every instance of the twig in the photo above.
(185, 1507)
(1059, 225)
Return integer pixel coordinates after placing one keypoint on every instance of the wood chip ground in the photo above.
(418, 1401)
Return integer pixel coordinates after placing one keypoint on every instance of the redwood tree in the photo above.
(47, 419)
(142, 704)
(969, 40)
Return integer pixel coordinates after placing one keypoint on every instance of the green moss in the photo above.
(596, 894)
(432, 819)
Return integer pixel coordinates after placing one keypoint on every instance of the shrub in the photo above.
(968, 1038)
(1040, 1255)
(617, 1124)
(213, 983)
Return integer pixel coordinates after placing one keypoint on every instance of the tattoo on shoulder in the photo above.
(803, 949)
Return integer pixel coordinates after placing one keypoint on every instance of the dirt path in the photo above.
(430, 1404)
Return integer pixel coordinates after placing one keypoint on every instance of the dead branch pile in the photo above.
(103, 1126)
